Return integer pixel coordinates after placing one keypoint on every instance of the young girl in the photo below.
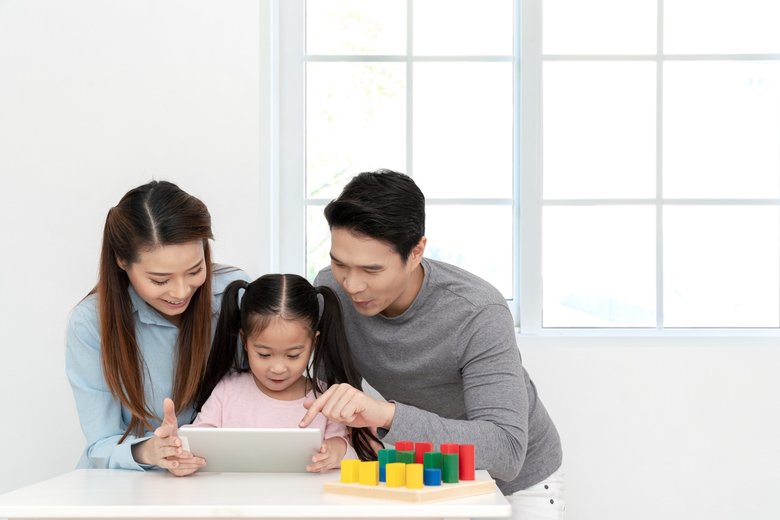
(292, 353)
(145, 330)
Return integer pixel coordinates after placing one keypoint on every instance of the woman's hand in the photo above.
(164, 448)
(346, 404)
(329, 456)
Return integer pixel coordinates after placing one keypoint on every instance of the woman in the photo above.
(143, 333)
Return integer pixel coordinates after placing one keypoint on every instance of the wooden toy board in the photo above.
(464, 488)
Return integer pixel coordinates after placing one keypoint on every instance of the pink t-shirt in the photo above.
(236, 402)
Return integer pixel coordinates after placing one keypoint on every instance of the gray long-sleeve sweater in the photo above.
(452, 366)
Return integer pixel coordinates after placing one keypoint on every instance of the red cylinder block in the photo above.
(420, 449)
(404, 446)
(448, 448)
(466, 461)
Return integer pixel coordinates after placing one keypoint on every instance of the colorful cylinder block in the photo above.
(368, 471)
(466, 461)
(432, 459)
(404, 456)
(432, 476)
(414, 476)
(448, 448)
(385, 456)
(349, 470)
(420, 449)
(396, 474)
(450, 470)
(404, 446)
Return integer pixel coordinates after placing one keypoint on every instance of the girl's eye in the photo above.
(264, 356)
(156, 282)
(296, 356)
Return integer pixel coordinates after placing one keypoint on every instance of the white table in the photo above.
(105, 493)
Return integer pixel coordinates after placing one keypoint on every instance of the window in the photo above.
(605, 164)
(386, 84)
(658, 199)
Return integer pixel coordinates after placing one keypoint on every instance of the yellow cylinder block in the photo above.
(414, 476)
(368, 472)
(349, 470)
(395, 474)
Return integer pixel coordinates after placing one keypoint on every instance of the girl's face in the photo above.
(278, 356)
(168, 276)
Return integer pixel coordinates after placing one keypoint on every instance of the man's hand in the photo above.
(345, 404)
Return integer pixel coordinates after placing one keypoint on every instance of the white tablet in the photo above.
(260, 450)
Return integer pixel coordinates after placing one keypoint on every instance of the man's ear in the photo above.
(417, 251)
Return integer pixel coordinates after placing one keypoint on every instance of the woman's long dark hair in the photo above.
(290, 297)
(156, 214)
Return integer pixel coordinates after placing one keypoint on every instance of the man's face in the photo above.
(373, 274)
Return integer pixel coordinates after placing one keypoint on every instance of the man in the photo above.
(437, 342)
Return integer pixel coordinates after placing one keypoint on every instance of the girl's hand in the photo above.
(164, 448)
(329, 456)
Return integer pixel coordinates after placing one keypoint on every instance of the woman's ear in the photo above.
(121, 263)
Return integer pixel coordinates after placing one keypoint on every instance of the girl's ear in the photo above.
(243, 338)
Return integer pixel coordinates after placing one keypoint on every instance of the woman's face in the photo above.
(167, 276)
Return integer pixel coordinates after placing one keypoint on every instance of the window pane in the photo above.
(721, 132)
(722, 26)
(317, 241)
(462, 27)
(599, 130)
(721, 266)
(355, 121)
(475, 238)
(463, 129)
(356, 27)
(599, 27)
(598, 266)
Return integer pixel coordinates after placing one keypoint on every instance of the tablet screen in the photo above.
(260, 450)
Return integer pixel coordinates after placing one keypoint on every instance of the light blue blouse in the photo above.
(103, 419)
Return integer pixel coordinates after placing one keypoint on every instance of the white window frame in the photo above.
(287, 142)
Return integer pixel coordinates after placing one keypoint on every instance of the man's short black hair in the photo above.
(383, 205)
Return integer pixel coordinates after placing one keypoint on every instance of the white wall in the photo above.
(98, 96)
(679, 428)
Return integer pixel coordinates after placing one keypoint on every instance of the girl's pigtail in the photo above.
(332, 364)
(225, 354)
